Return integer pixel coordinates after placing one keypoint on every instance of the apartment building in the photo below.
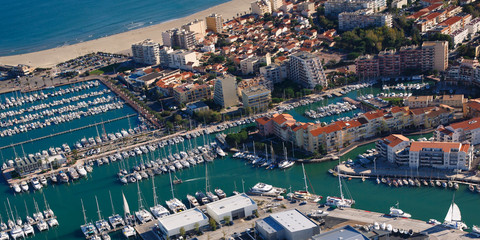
(261, 7)
(389, 148)
(179, 38)
(214, 23)
(178, 59)
(400, 150)
(197, 27)
(187, 93)
(306, 69)
(257, 98)
(430, 56)
(225, 91)
(442, 155)
(275, 73)
(363, 18)
(146, 52)
(252, 64)
(468, 130)
(335, 7)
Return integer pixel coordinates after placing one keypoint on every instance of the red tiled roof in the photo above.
(374, 114)
(263, 120)
(395, 139)
(471, 124)
(445, 146)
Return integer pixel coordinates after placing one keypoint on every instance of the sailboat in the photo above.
(115, 220)
(88, 228)
(49, 214)
(174, 204)
(285, 163)
(128, 230)
(304, 194)
(157, 210)
(340, 202)
(102, 225)
(453, 219)
(142, 214)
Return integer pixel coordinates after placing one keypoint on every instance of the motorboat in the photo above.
(128, 231)
(176, 205)
(202, 197)
(220, 193)
(397, 212)
(24, 186)
(193, 201)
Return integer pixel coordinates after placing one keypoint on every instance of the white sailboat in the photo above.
(128, 230)
(102, 225)
(115, 220)
(304, 194)
(339, 202)
(157, 210)
(453, 219)
(88, 228)
(174, 204)
(142, 214)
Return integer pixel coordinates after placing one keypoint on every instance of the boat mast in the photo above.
(98, 209)
(11, 212)
(26, 209)
(206, 179)
(111, 202)
(171, 184)
(340, 186)
(140, 205)
(305, 178)
(47, 207)
(155, 200)
(83, 211)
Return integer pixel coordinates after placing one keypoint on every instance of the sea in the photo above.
(227, 173)
(30, 25)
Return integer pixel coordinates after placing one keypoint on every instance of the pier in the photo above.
(134, 105)
(67, 131)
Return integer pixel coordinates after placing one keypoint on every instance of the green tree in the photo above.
(197, 228)
(182, 232)
(212, 224)
(227, 220)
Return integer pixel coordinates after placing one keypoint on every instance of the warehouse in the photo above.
(234, 207)
(290, 225)
(171, 225)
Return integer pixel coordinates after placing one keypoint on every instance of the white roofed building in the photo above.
(170, 225)
(234, 207)
(289, 225)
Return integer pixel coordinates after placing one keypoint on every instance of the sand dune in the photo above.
(120, 43)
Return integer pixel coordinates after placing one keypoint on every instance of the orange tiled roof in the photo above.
(471, 124)
(445, 146)
(395, 139)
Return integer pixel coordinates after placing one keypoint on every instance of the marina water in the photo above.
(55, 23)
(226, 173)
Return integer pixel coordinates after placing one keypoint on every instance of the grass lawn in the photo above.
(96, 72)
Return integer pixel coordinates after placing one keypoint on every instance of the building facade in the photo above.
(214, 23)
(187, 93)
(306, 69)
(146, 52)
(225, 91)
(257, 98)
(261, 7)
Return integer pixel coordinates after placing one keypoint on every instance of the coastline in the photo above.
(120, 43)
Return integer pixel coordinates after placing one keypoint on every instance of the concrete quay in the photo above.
(336, 218)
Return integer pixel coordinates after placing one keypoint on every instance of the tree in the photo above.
(212, 224)
(227, 220)
(182, 232)
(197, 227)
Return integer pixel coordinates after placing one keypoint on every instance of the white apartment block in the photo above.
(307, 69)
(459, 36)
(146, 52)
(197, 27)
(252, 64)
(276, 4)
(260, 7)
(225, 91)
(274, 73)
(179, 59)
(335, 7)
(442, 155)
(473, 26)
(389, 147)
(460, 132)
(363, 18)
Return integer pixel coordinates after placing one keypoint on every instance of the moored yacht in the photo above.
(397, 212)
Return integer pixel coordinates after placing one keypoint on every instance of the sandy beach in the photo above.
(120, 43)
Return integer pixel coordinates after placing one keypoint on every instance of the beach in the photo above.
(121, 43)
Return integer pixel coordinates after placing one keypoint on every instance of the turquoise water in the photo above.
(54, 23)
(69, 138)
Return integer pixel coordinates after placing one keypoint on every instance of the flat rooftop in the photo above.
(230, 204)
(293, 220)
(190, 216)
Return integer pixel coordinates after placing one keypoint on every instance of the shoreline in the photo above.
(121, 42)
